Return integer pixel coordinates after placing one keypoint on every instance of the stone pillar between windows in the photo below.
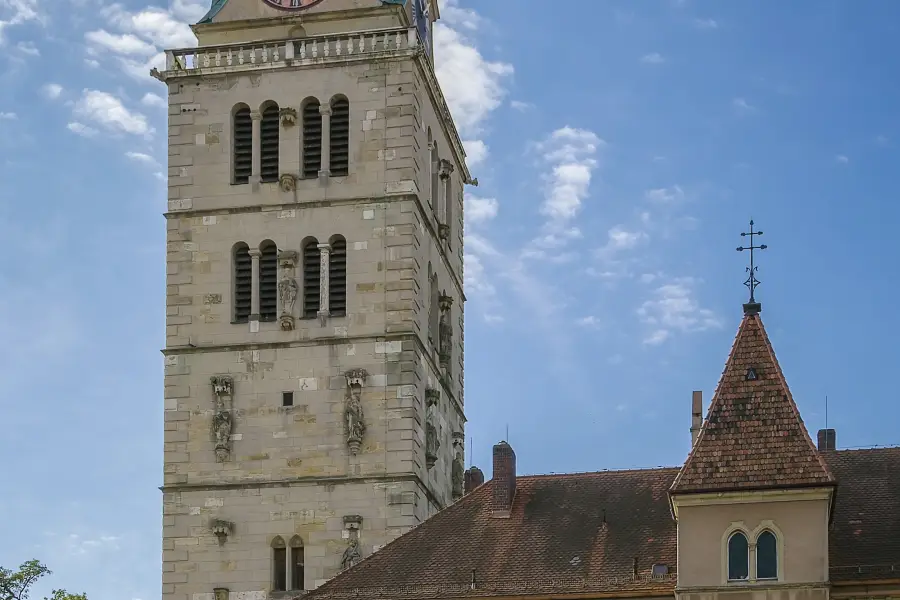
(325, 171)
(256, 152)
(255, 253)
(324, 263)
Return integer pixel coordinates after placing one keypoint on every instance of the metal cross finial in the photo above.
(752, 281)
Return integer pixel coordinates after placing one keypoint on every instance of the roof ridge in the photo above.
(602, 472)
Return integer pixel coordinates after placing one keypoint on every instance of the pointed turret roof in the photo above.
(753, 437)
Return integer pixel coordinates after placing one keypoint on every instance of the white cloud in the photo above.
(8, 116)
(453, 14)
(665, 195)
(28, 48)
(571, 154)
(120, 43)
(162, 28)
(108, 111)
(476, 152)
(81, 129)
(154, 100)
(654, 58)
(480, 210)
(841, 159)
(742, 107)
(141, 158)
(706, 24)
(17, 12)
(622, 239)
(520, 106)
(674, 308)
(52, 90)
(589, 321)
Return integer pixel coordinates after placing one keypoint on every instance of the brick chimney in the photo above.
(472, 478)
(696, 416)
(827, 439)
(504, 482)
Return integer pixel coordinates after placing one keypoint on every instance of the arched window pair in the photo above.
(337, 278)
(287, 564)
(338, 137)
(242, 144)
(739, 556)
(267, 289)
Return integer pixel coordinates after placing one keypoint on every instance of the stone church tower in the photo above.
(314, 296)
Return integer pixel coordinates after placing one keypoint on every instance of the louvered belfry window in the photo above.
(268, 282)
(339, 138)
(312, 139)
(268, 144)
(243, 285)
(243, 145)
(337, 278)
(310, 279)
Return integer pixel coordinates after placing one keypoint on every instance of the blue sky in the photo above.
(621, 148)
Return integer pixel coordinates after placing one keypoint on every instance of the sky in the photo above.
(620, 147)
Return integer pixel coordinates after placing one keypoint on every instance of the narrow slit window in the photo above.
(287, 398)
(242, 283)
(268, 282)
(297, 563)
(339, 139)
(738, 557)
(767, 556)
(269, 144)
(242, 140)
(312, 139)
(311, 279)
(337, 278)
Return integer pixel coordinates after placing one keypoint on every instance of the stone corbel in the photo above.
(352, 522)
(222, 529)
(288, 116)
(445, 168)
(443, 231)
(287, 182)
(353, 411)
(220, 593)
(223, 424)
(432, 396)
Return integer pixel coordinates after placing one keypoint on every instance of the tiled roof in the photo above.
(864, 541)
(753, 436)
(578, 533)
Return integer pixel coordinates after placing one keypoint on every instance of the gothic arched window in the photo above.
(766, 556)
(279, 564)
(296, 563)
(738, 557)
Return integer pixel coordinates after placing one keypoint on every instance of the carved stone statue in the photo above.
(223, 389)
(351, 555)
(287, 290)
(445, 328)
(432, 444)
(287, 182)
(457, 472)
(353, 412)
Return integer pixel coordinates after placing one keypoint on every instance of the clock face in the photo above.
(292, 4)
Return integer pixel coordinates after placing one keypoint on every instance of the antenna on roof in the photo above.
(471, 449)
(507, 433)
(826, 411)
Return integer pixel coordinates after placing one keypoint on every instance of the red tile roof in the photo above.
(753, 436)
(577, 533)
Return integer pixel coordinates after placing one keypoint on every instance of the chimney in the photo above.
(472, 478)
(827, 439)
(504, 482)
(696, 415)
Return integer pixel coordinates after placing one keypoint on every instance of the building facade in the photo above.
(756, 512)
(314, 300)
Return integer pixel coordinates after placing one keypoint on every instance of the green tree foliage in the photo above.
(16, 585)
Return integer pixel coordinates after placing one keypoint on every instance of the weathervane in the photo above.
(753, 306)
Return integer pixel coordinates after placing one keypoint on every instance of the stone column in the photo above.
(256, 145)
(324, 260)
(325, 171)
(254, 288)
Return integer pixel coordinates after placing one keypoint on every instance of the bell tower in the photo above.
(314, 301)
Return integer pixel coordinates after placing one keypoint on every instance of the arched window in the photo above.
(296, 563)
(339, 138)
(268, 281)
(279, 565)
(435, 162)
(268, 143)
(310, 279)
(312, 139)
(242, 145)
(243, 286)
(337, 277)
(766, 556)
(738, 557)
